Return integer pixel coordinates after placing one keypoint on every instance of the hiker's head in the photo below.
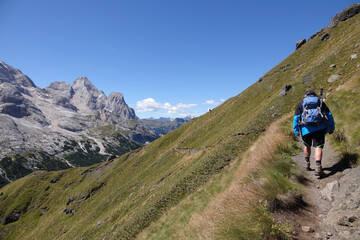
(310, 92)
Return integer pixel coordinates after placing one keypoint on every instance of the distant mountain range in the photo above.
(62, 125)
(163, 125)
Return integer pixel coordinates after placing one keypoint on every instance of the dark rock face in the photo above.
(300, 43)
(284, 90)
(325, 37)
(12, 217)
(344, 15)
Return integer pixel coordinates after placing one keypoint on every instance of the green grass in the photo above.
(143, 185)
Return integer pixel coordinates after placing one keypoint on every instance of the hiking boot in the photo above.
(307, 166)
(319, 172)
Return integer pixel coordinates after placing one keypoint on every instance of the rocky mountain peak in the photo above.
(14, 76)
(86, 96)
(116, 104)
(116, 97)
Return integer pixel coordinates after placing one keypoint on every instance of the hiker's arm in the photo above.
(331, 122)
(330, 117)
(296, 124)
(296, 119)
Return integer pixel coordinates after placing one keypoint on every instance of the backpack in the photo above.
(312, 114)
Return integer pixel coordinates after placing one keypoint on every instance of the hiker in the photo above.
(313, 120)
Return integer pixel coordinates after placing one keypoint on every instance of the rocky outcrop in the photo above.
(344, 215)
(300, 43)
(344, 15)
(333, 78)
(284, 90)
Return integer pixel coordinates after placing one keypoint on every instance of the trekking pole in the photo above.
(321, 96)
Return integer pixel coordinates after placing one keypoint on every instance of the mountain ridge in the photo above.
(52, 124)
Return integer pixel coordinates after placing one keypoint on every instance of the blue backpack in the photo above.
(312, 114)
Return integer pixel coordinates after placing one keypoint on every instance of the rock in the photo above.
(300, 43)
(307, 80)
(312, 36)
(330, 190)
(357, 44)
(12, 217)
(325, 37)
(70, 200)
(332, 66)
(262, 77)
(69, 211)
(307, 229)
(44, 210)
(353, 56)
(111, 158)
(352, 219)
(344, 15)
(344, 221)
(99, 223)
(333, 78)
(284, 90)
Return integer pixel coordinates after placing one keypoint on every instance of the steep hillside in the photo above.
(131, 194)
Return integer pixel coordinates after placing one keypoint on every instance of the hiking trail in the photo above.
(331, 205)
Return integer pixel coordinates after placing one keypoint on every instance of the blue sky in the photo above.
(168, 57)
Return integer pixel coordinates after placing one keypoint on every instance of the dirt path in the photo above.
(311, 220)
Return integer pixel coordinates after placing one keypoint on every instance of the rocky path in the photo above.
(331, 204)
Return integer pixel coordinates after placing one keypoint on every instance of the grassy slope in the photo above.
(124, 197)
(343, 101)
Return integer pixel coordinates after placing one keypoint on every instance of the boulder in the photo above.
(354, 56)
(284, 90)
(300, 43)
(307, 229)
(333, 78)
(325, 37)
(330, 190)
(344, 15)
(332, 66)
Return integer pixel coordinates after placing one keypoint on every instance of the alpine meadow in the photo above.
(223, 175)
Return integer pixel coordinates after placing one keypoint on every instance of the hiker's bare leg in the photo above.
(307, 151)
(318, 154)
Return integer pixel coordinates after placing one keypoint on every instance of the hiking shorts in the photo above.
(316, 138)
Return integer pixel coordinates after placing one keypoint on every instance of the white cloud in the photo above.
(213, 102)
(150, 105)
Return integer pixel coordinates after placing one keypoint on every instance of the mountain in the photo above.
(163, 125)
(231, 165)
(62, 125)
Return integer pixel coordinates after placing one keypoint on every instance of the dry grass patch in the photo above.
(241, 211)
